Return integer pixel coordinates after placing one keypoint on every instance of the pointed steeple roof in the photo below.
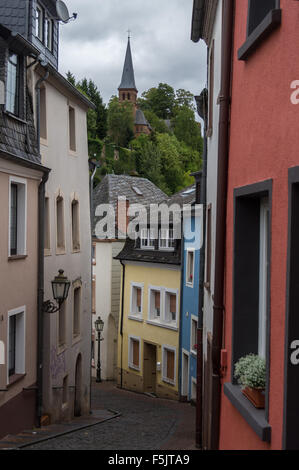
(128, 79)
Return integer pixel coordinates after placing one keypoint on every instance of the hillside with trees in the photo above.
(166, 157)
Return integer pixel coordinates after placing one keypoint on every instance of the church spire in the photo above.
(128, 78)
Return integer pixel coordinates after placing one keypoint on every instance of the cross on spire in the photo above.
(129, 33)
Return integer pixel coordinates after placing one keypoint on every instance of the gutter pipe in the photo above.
(202, 102)
(40, 293)
(219, 275)
(122, 323)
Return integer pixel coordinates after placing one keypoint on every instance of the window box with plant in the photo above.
(250, 371)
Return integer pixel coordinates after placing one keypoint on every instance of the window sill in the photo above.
(17, 118)
(168, 381)
(135, 318)
(254, 417)
(14, 379)
(131, 366)
(189, 284)
(269, 23)
(17, 257)
(162, 325)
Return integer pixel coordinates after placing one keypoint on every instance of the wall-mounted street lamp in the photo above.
(60, 289)
(99, 326)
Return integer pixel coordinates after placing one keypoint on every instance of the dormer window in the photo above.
(147, 239)
(166, 240)
(39, 23)
(13, 84)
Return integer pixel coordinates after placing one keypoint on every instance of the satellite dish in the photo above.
(62, 11)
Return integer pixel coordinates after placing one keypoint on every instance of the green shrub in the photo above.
(251, 371)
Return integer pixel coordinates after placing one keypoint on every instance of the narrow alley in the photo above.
(145, 423)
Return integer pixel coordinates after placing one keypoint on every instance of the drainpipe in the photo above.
(91, 163)
(223, 150)
(40, 293)
(122, 324)
(181, 306)
(201, 198)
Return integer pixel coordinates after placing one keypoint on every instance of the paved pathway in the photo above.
(144, 423)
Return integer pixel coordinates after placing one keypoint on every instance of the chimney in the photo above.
(122, 218)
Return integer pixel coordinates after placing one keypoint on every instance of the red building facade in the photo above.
(261, 294)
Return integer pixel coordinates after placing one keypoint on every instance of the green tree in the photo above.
(184, 98)
(148, 159)
(160, 100)
(186, 129)
(120, 122)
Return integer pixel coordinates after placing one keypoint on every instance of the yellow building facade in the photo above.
(148, 343)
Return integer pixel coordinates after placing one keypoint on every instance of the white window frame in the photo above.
(21, 216)
(166, 347)
(263, 276)
(185, 386)
(130, 352)
(49, 27)
(133, 314)
(192, 319)
(148, 238)
(39, 24)
(150, 315)
(171, 292)
(188, 251)
(164, 234)
(20, 341)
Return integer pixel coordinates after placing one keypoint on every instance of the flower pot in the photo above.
(256, 396)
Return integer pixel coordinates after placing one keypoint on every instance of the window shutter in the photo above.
(170, 365)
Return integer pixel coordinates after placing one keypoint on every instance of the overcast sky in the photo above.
(94, 45)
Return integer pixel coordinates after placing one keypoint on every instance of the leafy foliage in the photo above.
(251, 371)
(120, 121)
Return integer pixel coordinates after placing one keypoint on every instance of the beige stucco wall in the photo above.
(107, 273)
(18, 277)
(70, 178)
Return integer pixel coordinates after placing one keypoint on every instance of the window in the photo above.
(190, 267)
(251, 272)
(170, 307)
(77, 311)
(49, 33)
(193, 344)
(43, 113)
(155, 303)
(94, 254)
(47, 224)
(16, 342)
(147, 239)
(60, 223)
(39, 23)
(13, 84)
(134, 353)
(169, 359)
(193, 389)
(93, 294)
(62, 324)
(72, 129)
(136, 299)
(166, 240)
(75, 226)
(263, 17)
(17, 217)
(257, 12)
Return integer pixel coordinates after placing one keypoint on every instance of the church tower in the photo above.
(128, 92)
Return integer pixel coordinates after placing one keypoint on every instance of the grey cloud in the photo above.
(94, 45)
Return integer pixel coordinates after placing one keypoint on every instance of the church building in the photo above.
(128, 92)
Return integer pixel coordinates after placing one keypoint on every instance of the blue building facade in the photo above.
(189, 306)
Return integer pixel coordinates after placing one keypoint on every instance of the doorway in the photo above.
(149, 367)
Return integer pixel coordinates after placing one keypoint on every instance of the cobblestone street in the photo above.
(145, 423)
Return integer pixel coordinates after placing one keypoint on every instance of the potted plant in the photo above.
(250, 371)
